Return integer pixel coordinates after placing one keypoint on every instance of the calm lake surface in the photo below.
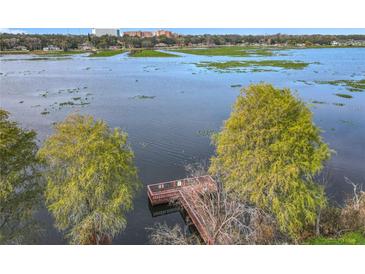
(166, 130)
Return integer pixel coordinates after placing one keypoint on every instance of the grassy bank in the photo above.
(227, 51)
(16, 52)
(351, 238)
(107, 53)
(56, 53)
(232, 65)
(150, 53)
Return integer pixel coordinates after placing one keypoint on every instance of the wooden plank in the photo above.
(166, 192)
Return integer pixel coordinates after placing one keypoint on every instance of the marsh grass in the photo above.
(151, 53)
(142, 97)
(347, 96)
(46, 58)
(351, 85)
(107, 53)
(232, 65)
(57, 53)
(205, 132)
(318, 102)
(227, 51)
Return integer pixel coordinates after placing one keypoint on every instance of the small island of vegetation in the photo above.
(150, 53)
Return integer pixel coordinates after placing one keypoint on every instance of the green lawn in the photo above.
(351, 238)
(107, 53)
(227, 51)
(151, 53)
(242, 64)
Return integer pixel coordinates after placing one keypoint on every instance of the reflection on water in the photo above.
(165, 104)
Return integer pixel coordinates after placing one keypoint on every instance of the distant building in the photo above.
(21, 48)
(140, 34)
(161, 45)
(51, 48)
(101, 32)
(143, 34)
(85, 47)
(166, 33)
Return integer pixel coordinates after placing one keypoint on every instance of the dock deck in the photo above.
(174, 191)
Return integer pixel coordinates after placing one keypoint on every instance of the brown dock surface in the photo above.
(171, 191)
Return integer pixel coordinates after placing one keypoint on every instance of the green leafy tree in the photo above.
(268, 153)
(20, 186)
(91, 179)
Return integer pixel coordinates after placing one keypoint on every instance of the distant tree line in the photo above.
(71, 42)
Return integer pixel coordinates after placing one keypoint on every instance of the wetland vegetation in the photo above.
(107, 53)
(351, 85)
(347, 96)
(191, 104)
(239, 65)
(227, 51)
(150, 53)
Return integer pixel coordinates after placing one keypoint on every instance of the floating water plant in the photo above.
(143, 97)
(351, 85)
(347, 96)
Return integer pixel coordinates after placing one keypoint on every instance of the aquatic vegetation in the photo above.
(347, 122)
(347, 96)
(205, 132)
(76, 98)
(318, 102)
(68, 103)
(45, 112)
(72, 90)
(57, 53)
(339, 104)
(45, 94)
(107, 53)
(37, 59)
(143, 97)
(305, 82)
(262, 70)
(150, 53)
(232, 65)
(351, 85)
(227, 51)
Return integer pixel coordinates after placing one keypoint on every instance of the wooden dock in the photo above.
(175, 191)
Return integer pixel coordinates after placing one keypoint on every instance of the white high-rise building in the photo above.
(101, 32)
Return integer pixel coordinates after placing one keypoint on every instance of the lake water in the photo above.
(166, 130)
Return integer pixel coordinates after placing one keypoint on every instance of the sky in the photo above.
(243, 31)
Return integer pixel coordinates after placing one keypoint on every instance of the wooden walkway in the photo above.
(174, 191)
